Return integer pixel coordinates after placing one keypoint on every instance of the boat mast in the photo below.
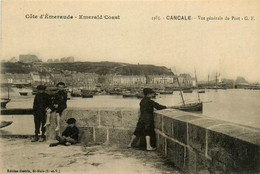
(180, 90)
(8, 91)
(197, 86)
(216, 79)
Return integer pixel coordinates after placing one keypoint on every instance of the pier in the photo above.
(187, 142)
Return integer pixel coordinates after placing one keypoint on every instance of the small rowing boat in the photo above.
(5, 123)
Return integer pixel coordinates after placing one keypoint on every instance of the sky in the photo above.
(229, 47)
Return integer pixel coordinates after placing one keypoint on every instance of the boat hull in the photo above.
(23, 93)
(5, 123)
(187, 91)
(4, 101)
(87, 96)
(192, 107)
(129, 95)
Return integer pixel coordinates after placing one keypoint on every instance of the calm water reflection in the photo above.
(234, 105)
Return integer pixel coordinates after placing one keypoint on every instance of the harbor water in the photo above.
(234, 105)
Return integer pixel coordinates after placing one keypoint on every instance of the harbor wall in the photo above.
(99, 125)
(199, 144)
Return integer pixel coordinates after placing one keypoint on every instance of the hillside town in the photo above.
(39, 73)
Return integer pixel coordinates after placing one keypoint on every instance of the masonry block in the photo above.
(67, 113)
(158, 121)
(119, 136)
(167, 126)
(179, 131)
(197, 137)
(188, 117)
(238, 155)
(202, 163)
(86, 118)
(111, 118)
(191, 161)
(50, 129)
(175, 153)
(86, 135)
(160, 143)
(130, 118)
(101, 135)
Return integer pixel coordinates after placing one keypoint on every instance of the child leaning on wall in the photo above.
(59, 104)
(145, 124)
(69, 135)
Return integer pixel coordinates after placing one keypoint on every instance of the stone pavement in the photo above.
(22, 156)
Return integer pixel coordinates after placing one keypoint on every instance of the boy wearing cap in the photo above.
(60, 104)
(40, 106)
(145, 124)
(69, 135)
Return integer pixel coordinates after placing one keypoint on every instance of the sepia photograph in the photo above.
(130, 87)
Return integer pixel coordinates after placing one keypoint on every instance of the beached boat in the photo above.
(129, 94)
(4, 101)
(166, 92)
(201, 91)
(23, 93)
(85, 93)
(187, 90)
(5, 123)
(75, 93)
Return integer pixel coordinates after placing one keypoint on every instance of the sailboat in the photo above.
(188, 107)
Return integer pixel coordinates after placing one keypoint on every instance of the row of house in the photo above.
(25, 79)
(90, 80)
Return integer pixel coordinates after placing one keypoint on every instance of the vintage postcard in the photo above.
(130, 86)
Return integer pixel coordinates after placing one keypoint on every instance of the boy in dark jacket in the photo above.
(59, 104)
(69, 135)
(40, 106)
(145, 125)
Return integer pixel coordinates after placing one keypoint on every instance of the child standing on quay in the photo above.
(40, 106)
(145, 124)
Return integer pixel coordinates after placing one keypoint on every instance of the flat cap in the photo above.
(41, 87)
(147, 91)
(71, 120)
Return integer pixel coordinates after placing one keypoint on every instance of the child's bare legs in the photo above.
(58, 122)
(48, 115)
(148, 143)
(131, 141)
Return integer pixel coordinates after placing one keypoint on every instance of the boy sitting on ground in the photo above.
(69, 135)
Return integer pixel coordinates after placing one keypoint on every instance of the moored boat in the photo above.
(23, 93)
(201, 91)
(4, 101)
(85, 93)
(187, 90)
(5, 123)
(129, 95)
(166, 92)
(190, 107)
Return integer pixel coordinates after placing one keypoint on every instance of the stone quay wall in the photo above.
(99, 125)
(199, 144)
(193, 142)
